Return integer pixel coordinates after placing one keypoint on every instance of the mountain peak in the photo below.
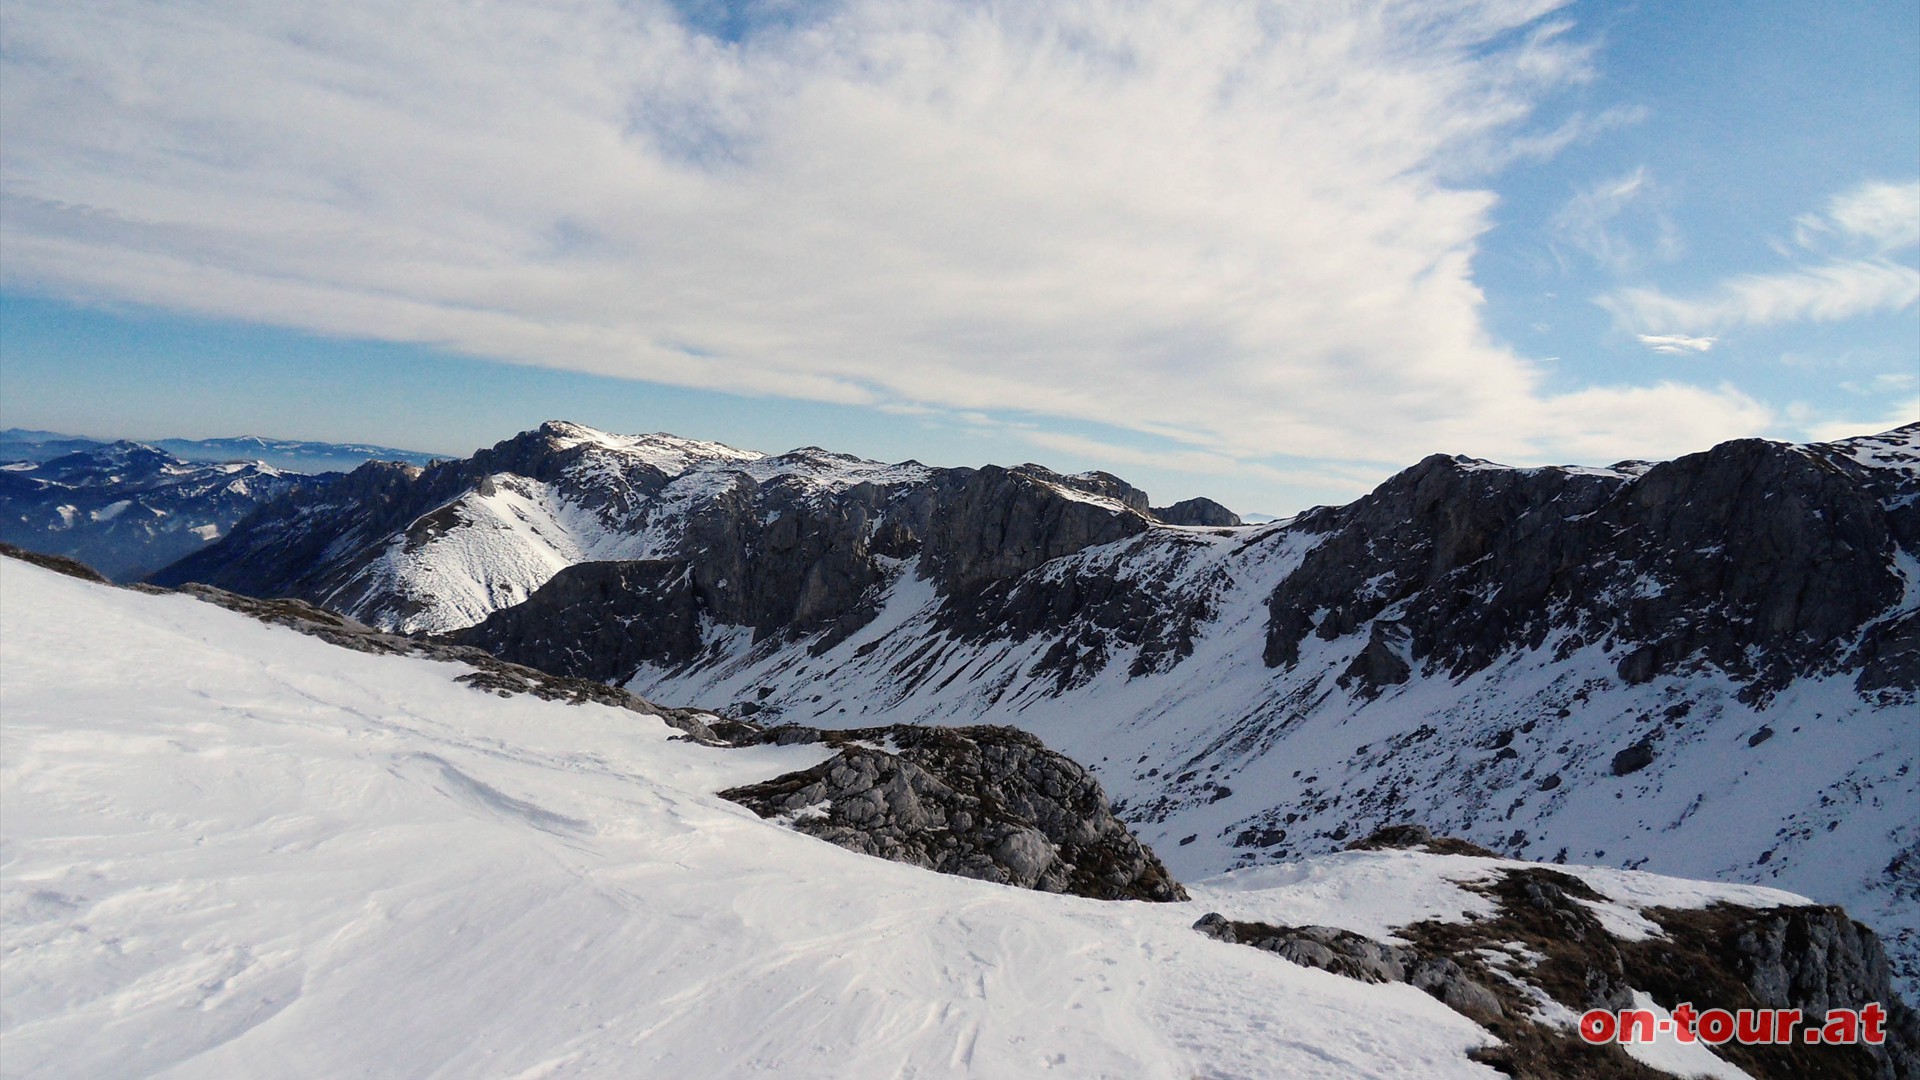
(670, 453)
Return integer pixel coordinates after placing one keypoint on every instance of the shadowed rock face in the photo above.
(1757, 558)
(1197, 512)
(1001, 523)
(599, 620)
(991, 803)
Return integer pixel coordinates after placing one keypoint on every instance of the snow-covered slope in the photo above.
(231, 850)
(235, 851)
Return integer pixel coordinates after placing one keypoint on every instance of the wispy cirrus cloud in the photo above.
(1827, 293)
(1595, 222)
(1885, 217)
(1859, 233)
(1247, 228)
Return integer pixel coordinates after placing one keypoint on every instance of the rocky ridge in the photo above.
(1697, 666)
(983, 802)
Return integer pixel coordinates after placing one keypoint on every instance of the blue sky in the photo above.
(1262, 252)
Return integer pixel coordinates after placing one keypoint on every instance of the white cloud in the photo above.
(1884, 216)
(1676, 344)
(1859, 230)
(1591, 222)
(1235, 225)
(1826, 293)
(1653, 422)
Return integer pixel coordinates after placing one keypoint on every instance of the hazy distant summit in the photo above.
(285, 455)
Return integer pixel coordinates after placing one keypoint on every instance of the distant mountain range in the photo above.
(286, 455)
(128, 509)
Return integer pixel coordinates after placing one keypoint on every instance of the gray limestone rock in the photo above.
(1204, 512)
(984, 802)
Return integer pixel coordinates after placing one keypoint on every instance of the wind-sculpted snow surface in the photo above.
(237, 850)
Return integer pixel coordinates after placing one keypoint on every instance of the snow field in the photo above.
(230, 850)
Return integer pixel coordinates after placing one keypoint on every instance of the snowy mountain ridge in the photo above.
(1701, 666)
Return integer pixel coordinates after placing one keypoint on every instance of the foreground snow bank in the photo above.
(234, 851)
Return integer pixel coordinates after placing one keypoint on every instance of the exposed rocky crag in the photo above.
(1764, 561)
(982, 802)
(126, 508)
(1545, 947)
(790, 545)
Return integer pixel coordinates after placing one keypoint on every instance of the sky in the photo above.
(1268, 253)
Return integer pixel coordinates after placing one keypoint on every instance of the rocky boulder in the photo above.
(1545, 948)
(991, 803)
(1204, 512)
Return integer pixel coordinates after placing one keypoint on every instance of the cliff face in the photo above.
(1761, 560)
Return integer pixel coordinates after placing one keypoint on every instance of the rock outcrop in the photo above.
(1758, 559)
(1204, 512)
(991, 803)
(1545, 947)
